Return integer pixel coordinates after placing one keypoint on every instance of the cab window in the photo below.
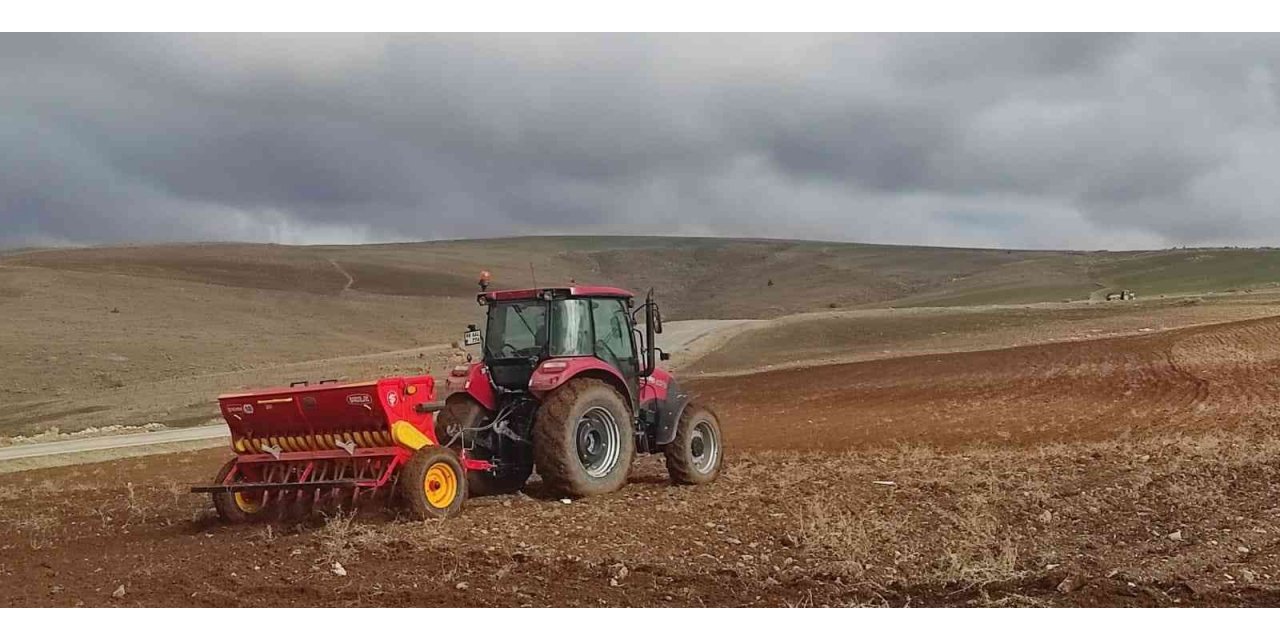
(613, 340)
(571, 328)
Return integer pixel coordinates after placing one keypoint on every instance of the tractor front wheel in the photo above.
(240, 506)
(696, 454)
(432, 483)
(583, 439)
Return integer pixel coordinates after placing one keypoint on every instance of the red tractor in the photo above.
(569, 385)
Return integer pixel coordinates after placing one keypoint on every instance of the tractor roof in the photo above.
(576, 291)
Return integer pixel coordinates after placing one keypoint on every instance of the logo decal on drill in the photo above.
(248, 408)
(392, 398)
(359, 398)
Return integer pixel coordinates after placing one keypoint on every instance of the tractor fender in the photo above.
(473, 380)
(552, 374)
(670, 409)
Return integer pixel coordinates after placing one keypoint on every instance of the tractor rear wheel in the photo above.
(696, 454)
(462, 412)
(240, 507)
(583, 439)
(432, 483)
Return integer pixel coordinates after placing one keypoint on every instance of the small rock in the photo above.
(733, 541)
(339, 570)
(1242, 549)
(620, 572)
(885, 483)
(1068, 584)
(118, 593)
(1248, 576)
(462, 586)
(1045, 517)
(565, 501)
(1176, 536)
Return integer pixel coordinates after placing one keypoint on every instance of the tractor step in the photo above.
(272, 486)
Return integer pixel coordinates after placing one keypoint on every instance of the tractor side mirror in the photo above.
(651, 328)
(657, 318)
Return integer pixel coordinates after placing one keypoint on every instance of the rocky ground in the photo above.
(1187, 520)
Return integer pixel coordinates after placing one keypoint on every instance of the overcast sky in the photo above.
(1034, 141)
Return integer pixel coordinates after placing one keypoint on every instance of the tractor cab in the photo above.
(563, 327)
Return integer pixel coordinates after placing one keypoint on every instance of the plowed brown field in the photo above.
(1127, 471)
(1181, 381)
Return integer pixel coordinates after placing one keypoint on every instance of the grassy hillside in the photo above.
(1190, 271)
(83, 329)
(697, 277)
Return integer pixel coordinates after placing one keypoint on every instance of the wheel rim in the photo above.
(703, 447)
(598, 439)
(440, 485)
(247, 503)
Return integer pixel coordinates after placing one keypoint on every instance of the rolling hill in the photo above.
(132, 333)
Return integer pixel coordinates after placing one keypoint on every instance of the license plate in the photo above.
(471, 338)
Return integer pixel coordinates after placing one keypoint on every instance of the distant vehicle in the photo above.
(1124, 294)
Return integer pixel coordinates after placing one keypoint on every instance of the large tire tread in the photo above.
(555, 451)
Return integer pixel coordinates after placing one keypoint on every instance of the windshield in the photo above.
(519, 329)
(516, 329)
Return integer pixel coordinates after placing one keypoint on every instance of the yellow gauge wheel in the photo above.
(441, 485)
(248, 504)
(240, 506)
(432, 483)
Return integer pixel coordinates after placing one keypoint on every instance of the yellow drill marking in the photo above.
(409, 436)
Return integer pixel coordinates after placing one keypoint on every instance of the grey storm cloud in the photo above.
(1083, 141)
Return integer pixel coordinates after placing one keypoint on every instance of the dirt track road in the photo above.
(684, 339)
(210, 435)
